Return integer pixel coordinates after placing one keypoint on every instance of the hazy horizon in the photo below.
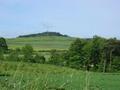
(77, 18)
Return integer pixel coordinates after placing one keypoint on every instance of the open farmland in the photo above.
(42, 43)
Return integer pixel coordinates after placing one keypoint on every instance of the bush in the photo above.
(27, 51)
(1, 55)
(116, 64)
(3, 44)
(54, 57)
(13, 56)
(39, 59)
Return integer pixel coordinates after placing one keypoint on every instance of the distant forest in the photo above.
(44, 34)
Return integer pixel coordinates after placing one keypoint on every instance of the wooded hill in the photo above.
(44, 34)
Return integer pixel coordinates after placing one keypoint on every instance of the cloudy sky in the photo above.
(82, 18)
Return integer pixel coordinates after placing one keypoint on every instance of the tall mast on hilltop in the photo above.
(47, 27)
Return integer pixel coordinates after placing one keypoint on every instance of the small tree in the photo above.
(87, 54)
(76, 54)
(64, 58)
(1, 54)
(3, 44)
(13, 56)
(111, 49)
(76, 47)
(54, 57)
(116, 63)
(28, 53)
(96, 51)
(39, 59)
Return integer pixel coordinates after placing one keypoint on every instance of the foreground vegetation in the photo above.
(95, 54)
(95, 63)
(29, 76)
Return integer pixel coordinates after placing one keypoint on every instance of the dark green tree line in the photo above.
(97, 54)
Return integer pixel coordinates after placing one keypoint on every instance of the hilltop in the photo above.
(41, 42)
(44, 34)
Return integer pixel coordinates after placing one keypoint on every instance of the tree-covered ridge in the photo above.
(44, 34)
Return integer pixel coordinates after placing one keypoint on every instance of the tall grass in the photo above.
(28, 76)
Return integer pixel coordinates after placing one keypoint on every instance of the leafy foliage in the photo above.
(13, 56)
(96, 54)
(39, 59)
(28, 53)
(54, 57)
(3, 44)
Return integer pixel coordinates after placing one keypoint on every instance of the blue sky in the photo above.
(79, 18)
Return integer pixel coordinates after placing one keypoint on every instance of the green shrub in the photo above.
(39, 59)
(13, 56)
(54, 57)
(3, 44)
(116, 64)
(27, 51)
(1, 55)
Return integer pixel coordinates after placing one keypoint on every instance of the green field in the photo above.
(28, 76)
(42, 43)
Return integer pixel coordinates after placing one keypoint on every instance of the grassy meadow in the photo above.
(31, 76)
(28, 76)
(42, 42)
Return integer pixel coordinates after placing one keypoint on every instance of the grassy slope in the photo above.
(42, 43)
(26, 76)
